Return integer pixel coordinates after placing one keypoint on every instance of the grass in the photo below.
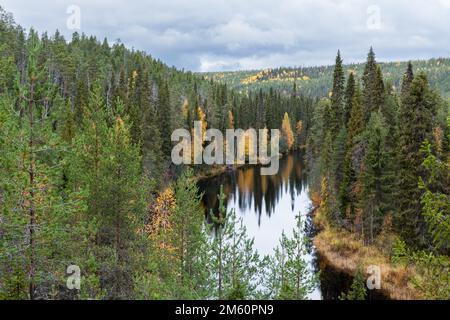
(346, 252)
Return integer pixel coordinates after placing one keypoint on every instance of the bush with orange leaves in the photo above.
(159, 215)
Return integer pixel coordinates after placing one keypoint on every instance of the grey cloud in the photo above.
(205, 35)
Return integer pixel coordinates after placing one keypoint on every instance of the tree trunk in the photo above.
(32, 209)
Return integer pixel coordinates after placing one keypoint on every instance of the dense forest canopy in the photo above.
(317, 81)
(157, 98)
(86, 177)
(380, 162)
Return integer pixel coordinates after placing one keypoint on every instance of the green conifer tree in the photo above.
(189, 238)
(337, 97)
(288, 276)
(415, 126)
(377, 178)
(358, 289)
(234, 261)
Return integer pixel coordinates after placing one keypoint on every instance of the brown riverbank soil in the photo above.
(345, 252)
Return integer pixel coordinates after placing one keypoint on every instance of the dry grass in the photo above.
(345, 252)
(315, 198)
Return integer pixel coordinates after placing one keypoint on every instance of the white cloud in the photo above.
(228, 34)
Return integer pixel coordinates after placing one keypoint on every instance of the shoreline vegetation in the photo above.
(378, 158)
(92, 123)
(346, 252)
(217, 170)
(87, 177)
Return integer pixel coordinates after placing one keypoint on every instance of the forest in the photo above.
(380, 162)
(86, 177)
(87, 182)
(318, 80)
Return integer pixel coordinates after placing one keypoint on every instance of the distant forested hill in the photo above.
(316, 81)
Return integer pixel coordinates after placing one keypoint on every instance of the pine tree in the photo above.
(431, 271)
(188, 239)
(7, 69)
(108, 163)
(122, 207)
(80, 100)
(234, 262)
(36, 217)
(288, 276)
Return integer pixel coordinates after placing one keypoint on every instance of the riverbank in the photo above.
(217, 170)
(345, 252)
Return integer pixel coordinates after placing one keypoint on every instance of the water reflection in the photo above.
(268, 205)
(248, 189)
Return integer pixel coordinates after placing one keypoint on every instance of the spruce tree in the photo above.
(358, 290)
(349, 95)
(335, 126)
(436, 198)
(408, 78)
(415, 126)
(337, 97)
(164, 113)
(338, 158)
(348, 195)
(377, 178)
(373, 87)
(147, 129)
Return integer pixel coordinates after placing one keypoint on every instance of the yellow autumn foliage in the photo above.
(269, 76)
(286, 131)
(185, 108)
(249, 141)
(230, 120)
(134, 74)
(159, 214)
(299, 127)
(202, 118)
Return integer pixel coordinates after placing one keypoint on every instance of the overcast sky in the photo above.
(216, 35)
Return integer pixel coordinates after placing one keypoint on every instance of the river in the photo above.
(267, 204)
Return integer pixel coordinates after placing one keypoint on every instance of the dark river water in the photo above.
(267, 204)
